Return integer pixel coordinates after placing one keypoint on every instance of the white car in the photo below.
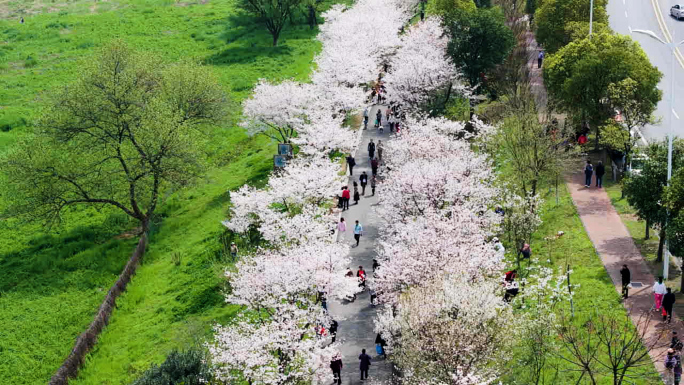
(677, 11)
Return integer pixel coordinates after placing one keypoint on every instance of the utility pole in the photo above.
(591, 17)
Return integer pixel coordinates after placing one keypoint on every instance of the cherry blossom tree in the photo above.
(280, 349)
(451, 331)
(293, 275)
(422, 77)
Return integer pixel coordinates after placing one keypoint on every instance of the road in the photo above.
(627, 15)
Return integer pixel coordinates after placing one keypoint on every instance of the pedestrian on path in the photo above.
(374, 167)
(526, 251)
(668, 302)
(676, 343)
(336, 366)
(333, 329)
(342, 226)
(673, 368)
(233, 251)
(358, 231)
(373, 181)
(363, 179)
(600, 171)
(356, 193)
(540, 59)
(378, 119)
(373, 295)
(392, 121)
(351, 162)
(361, 275)
(380, 148)
(364, 364)
(380, 345)
(626, 280)
(346, 197)
(365, 118)
(588, 172)
(371, 149)
(659, 290)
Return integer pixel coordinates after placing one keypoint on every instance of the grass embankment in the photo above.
(51, 283)
(595, 293)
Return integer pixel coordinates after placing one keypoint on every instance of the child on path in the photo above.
(373, 185)
(659, 291)
(342, 226)
(356, 193)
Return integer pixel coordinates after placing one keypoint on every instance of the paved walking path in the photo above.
(616, 247)
(356, 326)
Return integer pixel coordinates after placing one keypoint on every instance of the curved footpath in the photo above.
(356, 326)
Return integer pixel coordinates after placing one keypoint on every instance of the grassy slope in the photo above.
(596, 293)
(51, 283)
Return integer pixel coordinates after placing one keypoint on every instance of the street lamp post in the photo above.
(673, 47)
(591, 17)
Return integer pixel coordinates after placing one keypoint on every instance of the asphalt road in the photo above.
(627, 15)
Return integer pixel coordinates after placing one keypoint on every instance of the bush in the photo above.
(186, 368)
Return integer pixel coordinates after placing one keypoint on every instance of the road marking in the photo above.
(666, 31)
(626, 15)
(675, 114)
(630, 29)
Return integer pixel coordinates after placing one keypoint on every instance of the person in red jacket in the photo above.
(346, 196)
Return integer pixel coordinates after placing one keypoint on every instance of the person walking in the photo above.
(342, 226)
(673, 367)
(365, 118)
(668, 302)
(336, 366)
(600, 171)
(373, 295)
(364, 364)
(333, 329)
(363, 179)
(540, 59)
(626, 280)
(351, 162)
(380, 148)
(588, 171)
(659, 290)
(378, 119)
(676, 343)
(361, 275)
(233, 251)
(358, 231)
(346, 197)
(380, 345)
(374, 167)
(373, 181)
(371, 149)
(356, 193)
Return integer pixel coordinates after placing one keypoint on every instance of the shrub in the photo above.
(186, 368)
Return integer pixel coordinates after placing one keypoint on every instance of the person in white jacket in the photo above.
(659, 291)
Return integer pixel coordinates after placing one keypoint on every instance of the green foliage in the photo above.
(479, 40)
(275, 13)
(54, 282)
(578, 76)
(553, 17)
(180, 368)
(578, 30)
(615, 137)
(122, 135)
(449, 9)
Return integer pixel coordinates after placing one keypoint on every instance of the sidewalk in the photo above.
(356, 326)
(615, 247)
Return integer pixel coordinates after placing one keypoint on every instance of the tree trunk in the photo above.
(275, 35)
(648, 224)
(681, 282)
(448, 95)
(661, 245)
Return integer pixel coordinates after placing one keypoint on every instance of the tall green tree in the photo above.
(635, 112)
(274, 13)
(479, 40)
(579, 76)
(124, 134)
(646, 191)
(554, 16)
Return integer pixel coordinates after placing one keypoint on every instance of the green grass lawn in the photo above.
(52, 282)
(595, 293)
